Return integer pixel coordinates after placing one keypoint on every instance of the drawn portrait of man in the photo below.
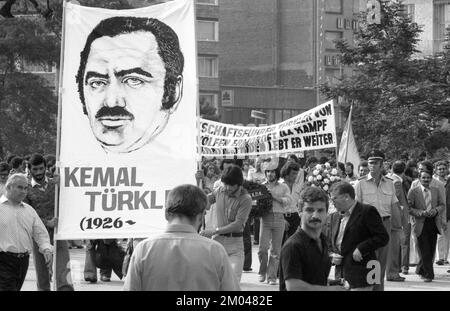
(130, 81)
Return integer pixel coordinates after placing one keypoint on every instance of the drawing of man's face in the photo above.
(127, 92)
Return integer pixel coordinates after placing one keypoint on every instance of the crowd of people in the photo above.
(27, 197)
(404, 204)
(372, 223)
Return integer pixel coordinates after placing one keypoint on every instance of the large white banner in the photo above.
(311, 130)
(128, 117)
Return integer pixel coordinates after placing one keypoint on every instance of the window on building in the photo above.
(286, 114)
(270, 117)
(208, 103)
(331, 36)
(358, 6)
(332, 75)
(228, 115)
(441, 22)
(207, 30)
(278, 116)
(208, 66)
(409, 10)
(210, 2)
(333, 6)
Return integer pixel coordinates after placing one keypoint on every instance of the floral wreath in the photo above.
(323, 176)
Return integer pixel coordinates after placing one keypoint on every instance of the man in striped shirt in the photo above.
(19, 226)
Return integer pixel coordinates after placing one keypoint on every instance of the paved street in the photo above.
(249, 280)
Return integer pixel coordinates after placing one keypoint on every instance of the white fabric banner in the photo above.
(310, 130)
(348, 151)
(128, 117)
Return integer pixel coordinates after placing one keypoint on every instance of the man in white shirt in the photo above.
(20, 226)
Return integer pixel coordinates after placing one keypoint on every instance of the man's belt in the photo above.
(385, 218)
(233, 234)
(17, 255)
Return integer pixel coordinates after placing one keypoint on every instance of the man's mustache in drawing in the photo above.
(113, 113)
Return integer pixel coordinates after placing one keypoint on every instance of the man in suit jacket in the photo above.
(400, 184)
(428, 166)
(426, 207)
(361, 232)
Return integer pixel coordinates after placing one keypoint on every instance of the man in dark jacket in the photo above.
(360, 233)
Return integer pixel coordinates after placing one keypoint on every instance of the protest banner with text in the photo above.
(311, 130)
(127, 122)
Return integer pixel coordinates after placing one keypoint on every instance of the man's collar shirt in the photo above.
(381, 196)
(20, 225)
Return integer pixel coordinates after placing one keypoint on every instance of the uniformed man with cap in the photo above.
(379, 191)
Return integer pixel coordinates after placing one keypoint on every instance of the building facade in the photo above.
(274, 54)
(434, 17)
(208, 49)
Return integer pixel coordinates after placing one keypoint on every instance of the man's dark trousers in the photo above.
(13, 271)
(247, 245)
(427, 248)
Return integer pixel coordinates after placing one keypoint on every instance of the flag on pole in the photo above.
(348, 152)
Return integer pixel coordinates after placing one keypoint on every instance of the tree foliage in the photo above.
(27, 101)
(398, 100)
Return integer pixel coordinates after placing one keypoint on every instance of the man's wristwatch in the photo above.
(216, 231)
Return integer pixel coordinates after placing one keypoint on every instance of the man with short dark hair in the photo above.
(435, 183)
(16, 166)
(363, 168)
(426, 207)
(304, 261)
(387, 168)
(128, 90)
(180, 259)
(311, 162)
(41, 196)
(360, 234)
(50, 159)
(233, 206)
(20, 226)
(349, 174)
